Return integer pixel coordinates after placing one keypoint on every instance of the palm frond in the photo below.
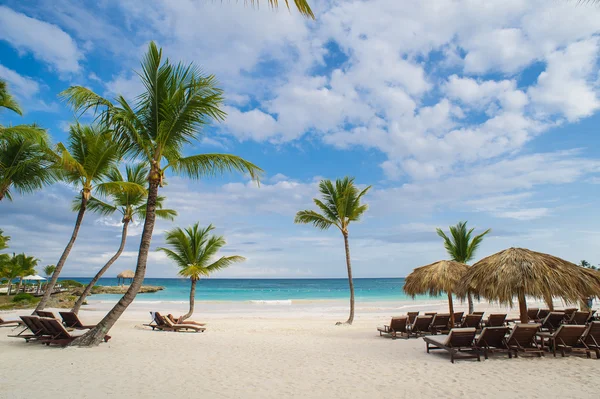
(302, 6)
(317, 220)
(7, 100)
(201, 165)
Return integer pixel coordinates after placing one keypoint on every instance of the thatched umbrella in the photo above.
(433, 279)
(126, 274)
(520, 272)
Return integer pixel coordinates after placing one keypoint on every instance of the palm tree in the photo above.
(340, 205)
(178, 101)
(3, 240)
(130, 206)
(193, 250)
(461, 247)
(6, 99)
(91, 154)
(301, 5)
(48, 270)
(26, 267)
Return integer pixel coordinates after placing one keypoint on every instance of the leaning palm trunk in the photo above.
(88, 289)
(65, 254)
(95, 336)
(350, 282)
(192, 300)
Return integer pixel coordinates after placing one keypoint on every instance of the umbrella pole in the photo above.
(523, 308)
(451, 309)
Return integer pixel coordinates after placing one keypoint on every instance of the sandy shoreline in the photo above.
(283, 353)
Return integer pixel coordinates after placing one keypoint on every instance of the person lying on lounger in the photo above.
(181, 321)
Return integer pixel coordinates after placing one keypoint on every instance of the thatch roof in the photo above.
(433, 279)
(126, 274)
(521, 272)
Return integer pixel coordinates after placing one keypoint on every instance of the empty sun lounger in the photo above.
(569, 312)
(43, 313)
(420, 326)
(495, 320)
(440, 323)
(565, 338)
(412, 316)
(458, 318)
(552, 321)
(458, 342)
(10, 323)
(396, 328)
(591, 338)
(522, 339)
(579, 318)
(542, 314)
(71, 320)
(60, 335)
(532, 314)
(492, 339)
(472, 321)
(35, 328)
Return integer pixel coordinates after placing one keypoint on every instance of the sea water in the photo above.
(276, 291)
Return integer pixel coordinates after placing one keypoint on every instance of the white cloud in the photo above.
(21, 86)
(47, 42)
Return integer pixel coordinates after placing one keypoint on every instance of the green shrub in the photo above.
(23, 297)
(70, 283)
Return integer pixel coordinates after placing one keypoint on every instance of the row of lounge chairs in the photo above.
(524, 338)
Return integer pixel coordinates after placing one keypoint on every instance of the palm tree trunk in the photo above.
(64, 256)
(97, 334)
(451, 309)
(549, 303)
(3, 191)
(88, 289)
(20, 284)
(350, 282)
(8, 288)
(470, 300)
(192, 299)
(523, 308)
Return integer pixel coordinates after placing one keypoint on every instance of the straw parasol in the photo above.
(125, 275)
(520, 272)
(433, 279)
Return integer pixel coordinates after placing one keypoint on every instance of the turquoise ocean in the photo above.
(265, 290)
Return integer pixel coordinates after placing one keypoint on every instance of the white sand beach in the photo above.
(273, 355)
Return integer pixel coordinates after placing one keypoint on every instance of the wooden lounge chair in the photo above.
(569, 312)
(458, 318)
(440, 323)
(397, 327)
(430, 313)
(495, 320)
(479, 313)
(591, 338)
(43, 313)
(35, 327)
(61, 336)
(420, 326)
(532, 314)
(472, 321)
(579, 318)
(71, 320)
(552, 321)
(164, 324)
(492, 339)
(522, 339)
(542, 313)
(458, 342)
(10, 323)
(566, 337)
(412, 316)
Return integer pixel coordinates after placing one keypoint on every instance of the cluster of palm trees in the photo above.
(15, 266)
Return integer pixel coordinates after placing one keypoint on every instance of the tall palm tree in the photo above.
(31, 132)
(340, 205)
(130, 206)
(17, 266)
(3, 240)
(48, 270)
(461, 247)
(194, 250)
(177, 102)
(26, 266)
(90, 154)
(7, 100)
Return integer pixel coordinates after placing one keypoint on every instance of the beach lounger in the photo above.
(397, 327)
(580, 318)
(591, 338)
(420, 326)
(479, 313)
(566, 337)
(412, 316)
(71, 320)
(60, 335)
(458, 318)
(472, 321)
(440, 323)
(495, 320)
(43, 313)
(35, 327)
(430, 313)
(552, 321)
(492, 339)
(569, 312)
(164, 324)
(458, 342)
(522, 339)
(532, 313)
(542, 313)
(10, 323)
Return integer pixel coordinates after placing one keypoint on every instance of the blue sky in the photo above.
(450, 109)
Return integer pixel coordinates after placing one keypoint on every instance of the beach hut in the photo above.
(519, 272)
(433, 279)
(125, 275)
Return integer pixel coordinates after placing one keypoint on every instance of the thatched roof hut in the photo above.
(436, 278)
(519, 272)
(125, 275)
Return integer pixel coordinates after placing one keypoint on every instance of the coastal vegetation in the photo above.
(194, 251)
(340, 204)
